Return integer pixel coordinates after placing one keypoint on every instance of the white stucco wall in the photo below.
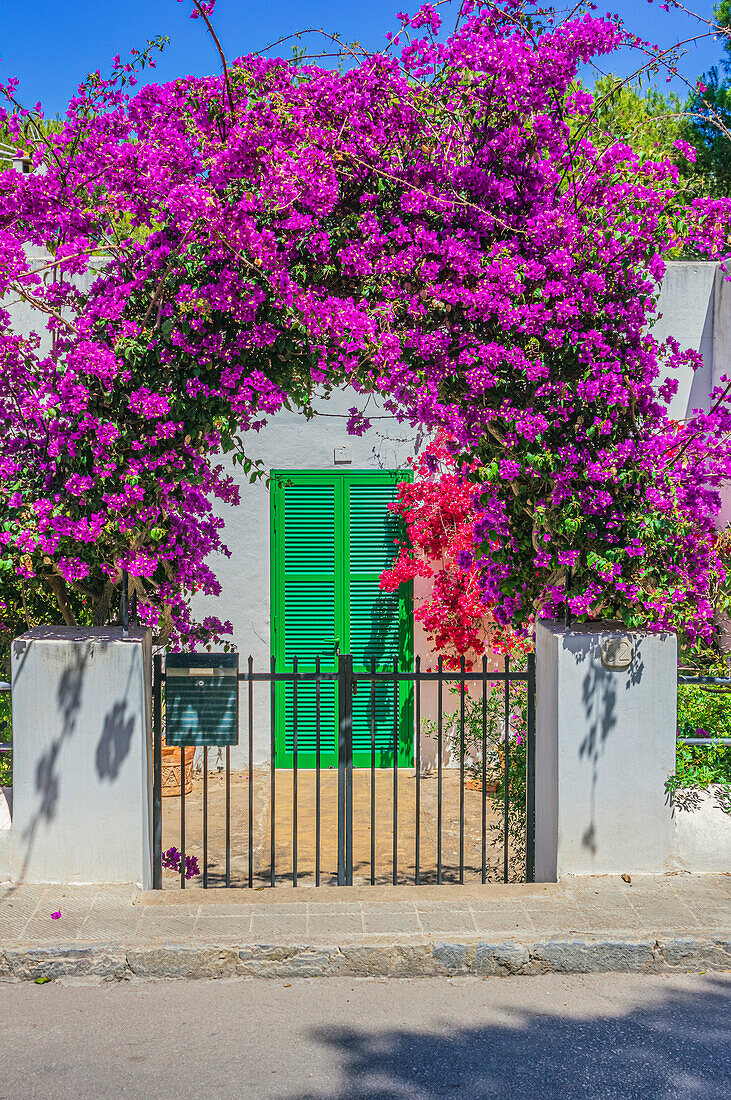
(695, 308)
(24, 317)
(6, 820)
(702, 832)
(688, 303)
(605, 744)
(82, 756)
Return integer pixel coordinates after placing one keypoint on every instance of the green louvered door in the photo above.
(332, 536)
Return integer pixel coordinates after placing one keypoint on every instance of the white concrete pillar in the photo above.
(82, 756)
(606, 723)
(6, 820)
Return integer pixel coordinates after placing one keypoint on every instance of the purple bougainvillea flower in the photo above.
(191, 867)
(442, 222)
(171, 859)
(56, 915)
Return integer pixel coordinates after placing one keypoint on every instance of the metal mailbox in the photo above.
(202, 699)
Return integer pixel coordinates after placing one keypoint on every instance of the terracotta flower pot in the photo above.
(475, 784)
(171, 770)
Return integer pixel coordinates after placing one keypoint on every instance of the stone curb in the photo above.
(559, 956)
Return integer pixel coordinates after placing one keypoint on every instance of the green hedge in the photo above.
(6, 735)
(702, 712)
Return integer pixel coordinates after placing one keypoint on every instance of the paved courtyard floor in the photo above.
(382, 815)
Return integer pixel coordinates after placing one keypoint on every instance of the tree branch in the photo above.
(57, 586)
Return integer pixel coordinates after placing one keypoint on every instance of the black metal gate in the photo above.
(473, 754)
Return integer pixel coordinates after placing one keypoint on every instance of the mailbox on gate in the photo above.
(202, 699)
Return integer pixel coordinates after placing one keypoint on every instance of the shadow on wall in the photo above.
(114, 743)
(599, 701)
(47, 777)
(679, 1046)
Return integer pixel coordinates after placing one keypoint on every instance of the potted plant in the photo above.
(171, 769)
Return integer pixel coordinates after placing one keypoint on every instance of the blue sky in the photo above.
(52, 44)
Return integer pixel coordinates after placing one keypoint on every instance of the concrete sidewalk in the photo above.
(677, 922)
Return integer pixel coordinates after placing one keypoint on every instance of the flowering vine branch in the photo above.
(439, 223)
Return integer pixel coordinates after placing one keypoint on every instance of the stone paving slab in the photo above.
(676, 921)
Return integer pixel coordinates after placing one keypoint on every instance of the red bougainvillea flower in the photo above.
(439, 509)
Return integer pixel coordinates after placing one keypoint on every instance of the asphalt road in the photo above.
(607, 1036)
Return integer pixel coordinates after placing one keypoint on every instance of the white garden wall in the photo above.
(6, 813)
(702, 833)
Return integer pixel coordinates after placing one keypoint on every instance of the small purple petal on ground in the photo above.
(56, 915)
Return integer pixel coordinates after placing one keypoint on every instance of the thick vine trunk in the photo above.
(57, 585)
(722, 619)
(101, 607)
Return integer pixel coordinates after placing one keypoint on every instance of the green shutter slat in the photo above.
(309, 589)
(374, 624)
(374, 615)
(309, 572)
(309, 530)
(373, 529)
(333, 537)
(309, 619)
(307, 718)
(384, 708)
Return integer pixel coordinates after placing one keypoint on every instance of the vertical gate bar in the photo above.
(294, 771)
(205, 817)
(440, 665)
(228, 815)
(251, 773)
(182, 817)
(506, 765)
(341, 771)
(349, 771)
(395, 770)
(530, 809)
(273, 771)
(373, 771)
(417, 736)
(484, 768)
(157, 775)
(317, 771)
(462, 688)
